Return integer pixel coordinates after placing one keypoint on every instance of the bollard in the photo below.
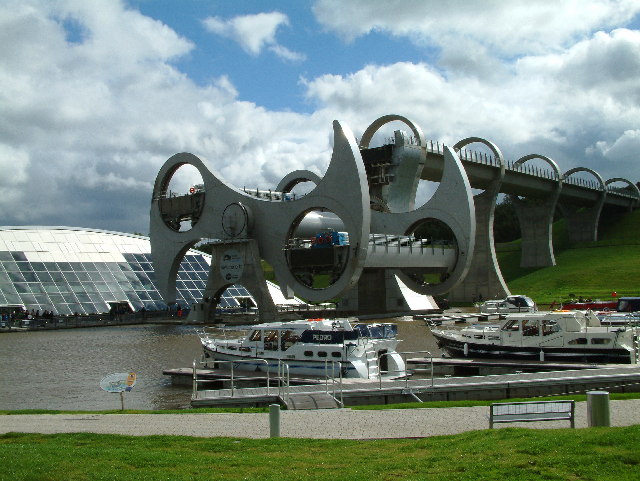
(598, 408)
(274, 420)
(541, 355)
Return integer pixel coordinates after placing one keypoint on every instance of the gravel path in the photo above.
(319, 424)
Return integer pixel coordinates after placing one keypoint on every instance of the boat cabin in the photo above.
(515, 303)
(280, 337)
(545, 324)
(628, 304)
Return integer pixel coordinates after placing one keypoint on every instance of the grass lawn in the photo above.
(593, 272)
(500, 454)
(586, 269)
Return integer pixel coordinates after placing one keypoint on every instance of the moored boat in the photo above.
(510, 304)
(559, 335)
(312, 347)
(594, 305)
(608, 318)
(626, 313)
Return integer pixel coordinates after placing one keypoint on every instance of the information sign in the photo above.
(118, 382)
(231, 265)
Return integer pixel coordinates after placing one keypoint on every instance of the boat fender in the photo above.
(466, 349)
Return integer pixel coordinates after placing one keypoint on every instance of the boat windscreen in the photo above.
(255, 335)
(390, 331)
(377, 331)
(519, 301)
(629, 304)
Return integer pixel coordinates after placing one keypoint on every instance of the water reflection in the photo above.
(62, 369)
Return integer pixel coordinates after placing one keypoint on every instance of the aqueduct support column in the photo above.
(484, 279)
(536, 221)
(234, 262)
(582, 222)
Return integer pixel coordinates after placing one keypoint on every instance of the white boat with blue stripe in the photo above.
(311, 347)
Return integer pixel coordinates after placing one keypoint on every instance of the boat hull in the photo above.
(456, 348)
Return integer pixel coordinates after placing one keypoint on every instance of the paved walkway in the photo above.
(320, 424)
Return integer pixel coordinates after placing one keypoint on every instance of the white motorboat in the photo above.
(627, 313)
(311, 347)
(510, 304)
(608, 318)
(559, 335)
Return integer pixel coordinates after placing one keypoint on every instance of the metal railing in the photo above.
(531, 170)
(396, 244)
(284, 381)
(196, 380)
(333, 379)
(283, 377)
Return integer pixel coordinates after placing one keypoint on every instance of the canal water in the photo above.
(62, 369)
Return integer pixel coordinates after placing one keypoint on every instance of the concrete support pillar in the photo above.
(536, 220)
(235, 262)
(582, 222)
(484, 279)
(536, 224)
(380, 291)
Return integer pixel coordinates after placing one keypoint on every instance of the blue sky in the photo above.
(279, 86)
(95, 95)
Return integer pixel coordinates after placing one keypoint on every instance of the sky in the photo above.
(95, 95)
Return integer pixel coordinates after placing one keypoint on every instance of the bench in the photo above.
(528, 411)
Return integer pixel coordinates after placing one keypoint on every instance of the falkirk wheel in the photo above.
(355, 236)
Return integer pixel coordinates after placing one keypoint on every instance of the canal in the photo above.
(62, 369)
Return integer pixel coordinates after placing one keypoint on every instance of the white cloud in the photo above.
(87, 120)
(254, 33)
(514, 27)
(477, 39)
(556, 104)
(624, 149)
(13, 164)
(87, 123)
(608, 62)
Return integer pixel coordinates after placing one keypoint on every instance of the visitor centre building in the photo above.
(69, 270)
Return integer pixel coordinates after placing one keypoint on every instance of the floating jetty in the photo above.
(456, 317)
(353, 392)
